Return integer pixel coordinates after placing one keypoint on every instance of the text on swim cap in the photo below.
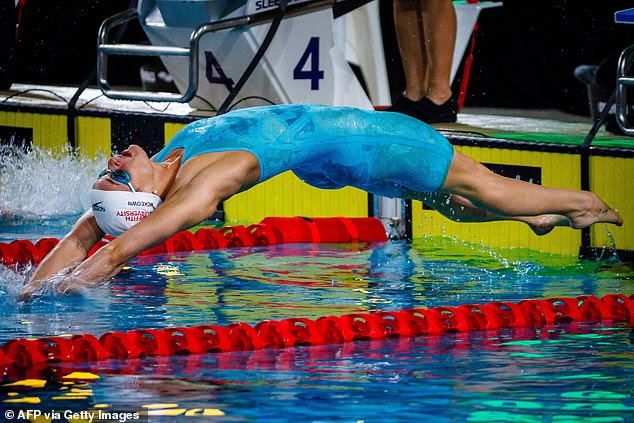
(133, 215)
(141, 203)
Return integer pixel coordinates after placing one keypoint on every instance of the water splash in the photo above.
(612, 246)
(45, 183)
(12, 279)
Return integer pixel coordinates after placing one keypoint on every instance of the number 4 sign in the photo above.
(313, 73)
(301, 65)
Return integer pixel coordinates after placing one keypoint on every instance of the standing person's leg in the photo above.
(507, 197)
(439, 31)
(408, 25)
(426, 35)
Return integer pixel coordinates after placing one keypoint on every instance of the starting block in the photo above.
(224, 52)
(272, 51)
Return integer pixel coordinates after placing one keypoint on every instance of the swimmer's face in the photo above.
(119, 176)
(134, 162)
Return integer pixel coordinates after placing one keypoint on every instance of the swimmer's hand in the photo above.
(64, 282)
(6, 215)
(52, 286)
(30, 290)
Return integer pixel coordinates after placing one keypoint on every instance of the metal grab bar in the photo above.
(140, 50)
(104, 49)
(623, 81)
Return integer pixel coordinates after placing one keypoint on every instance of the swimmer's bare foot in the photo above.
(594, 210)
(545, 223)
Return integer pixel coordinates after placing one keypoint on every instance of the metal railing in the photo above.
(104, 49)
(623, 81)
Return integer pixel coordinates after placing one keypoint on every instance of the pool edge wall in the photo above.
(611, 176)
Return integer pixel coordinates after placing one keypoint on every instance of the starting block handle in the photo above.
(624, 80)
(104, 50)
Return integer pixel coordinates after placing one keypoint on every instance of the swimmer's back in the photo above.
(328, 147)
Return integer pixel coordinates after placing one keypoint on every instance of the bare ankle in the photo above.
(591, 209)
(545, 223)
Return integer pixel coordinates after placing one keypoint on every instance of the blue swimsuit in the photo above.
(383, 153)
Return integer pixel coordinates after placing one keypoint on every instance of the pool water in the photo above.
(575, 372)
(572, 372)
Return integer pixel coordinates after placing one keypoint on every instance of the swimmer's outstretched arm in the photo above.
(71, 249)
(169, 218)
(183, 208)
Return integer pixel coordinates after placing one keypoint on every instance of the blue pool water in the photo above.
(576, 372)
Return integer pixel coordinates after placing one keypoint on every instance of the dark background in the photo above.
(525, 51)
(57, 41)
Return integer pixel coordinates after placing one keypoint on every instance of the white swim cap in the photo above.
(118, 211)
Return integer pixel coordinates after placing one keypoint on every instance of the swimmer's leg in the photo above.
(460, 209)
(508, 197)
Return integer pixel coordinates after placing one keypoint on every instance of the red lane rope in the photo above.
(138, 343)
(270, 231)
(27, 353)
